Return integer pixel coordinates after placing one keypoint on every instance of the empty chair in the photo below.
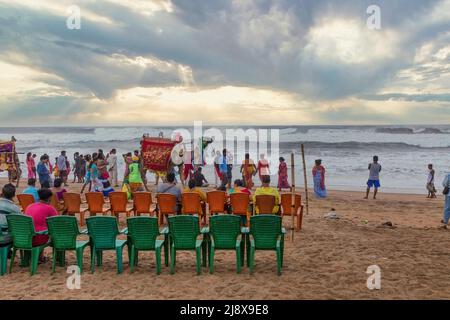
(216, 200)
(72, 203)
(63, 231)
(22, 231)
(239, 205)
(225, 234)
(183, 233)
(265, 204)
(95, 202)
(25, 200)
(286, 207)
(142, 203)
(142, 236)
(118, 203)
(191, 204)
(266, 233)
(103, 232)
(167, 205)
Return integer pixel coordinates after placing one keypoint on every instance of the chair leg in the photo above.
(172, 259)
(131, 255)
(166, 250)
(4, 259)
(238, 259)
(252, 259)
(61, 258)
(204, 251)
(243, 242)
(82, 221)
(54, 253)
(11, 263)
(211, 259)
(79, 253)
(198, 253)
(99, 254)
(34, 259)
(119, 260)
(158, 260)
(279, 261)
(93, 255)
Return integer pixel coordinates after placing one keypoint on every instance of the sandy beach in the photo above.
(327, 260)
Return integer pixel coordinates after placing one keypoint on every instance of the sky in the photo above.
(267, 62)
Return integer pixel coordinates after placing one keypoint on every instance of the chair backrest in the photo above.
(142, 202)
(103, 231)
(72, 202)
(25, 200)
(216, 200)
(265, 229)
(142, 231)
(21, 228)
(63, 231)
(286, 203)
(265, 203)
(118, 201)
(184, 230)
(239, 203)
(54, 202)
(167, 203)
(190, 202)
(95, 202)
(224, 229)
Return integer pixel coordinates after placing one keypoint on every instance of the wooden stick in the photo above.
(293, 195)
(306, 180)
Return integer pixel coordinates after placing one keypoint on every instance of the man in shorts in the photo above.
(374, 177)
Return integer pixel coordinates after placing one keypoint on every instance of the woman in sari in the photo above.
(263, 167)
(319, 179)
(283, 182)
(248, 168)
(31, 166)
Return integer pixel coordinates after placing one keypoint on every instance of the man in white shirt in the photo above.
(112, 160)
(62, 167)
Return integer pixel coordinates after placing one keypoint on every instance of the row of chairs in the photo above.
(144, 234)
(191, 204)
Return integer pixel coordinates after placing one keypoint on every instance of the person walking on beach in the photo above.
(91, 172)
(225, 169)
(61, 162)
(217, 166)
(248, 169)
(43, 171)
(283, 182)
(318, 172)
(112, 160)
(31, 166)
(263, 167)
(446, 192)
(430, 182)
(374, 177)
(76, 167)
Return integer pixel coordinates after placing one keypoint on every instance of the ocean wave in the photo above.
(403, 130)
(354, 145)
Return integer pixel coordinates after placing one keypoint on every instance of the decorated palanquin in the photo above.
(9, 160)
(156, 153)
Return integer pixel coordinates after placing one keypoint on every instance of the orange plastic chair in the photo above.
(25, 200)
(118, 203)
(95, 202)
(142, 203)
(72, 203)
(191, 204)
(265, 203)
(167, 204)
(239, 204)
(216, 201)
(55, 203)
(286, 204)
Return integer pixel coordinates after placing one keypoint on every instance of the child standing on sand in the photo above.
(374, 177)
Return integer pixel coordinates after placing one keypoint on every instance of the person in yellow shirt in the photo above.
(266, 189)
(192, 188)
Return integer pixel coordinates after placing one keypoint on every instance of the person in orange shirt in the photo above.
(192, 188)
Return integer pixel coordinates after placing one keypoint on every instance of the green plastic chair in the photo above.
(5, 247)
(142, 236)
(103, 232)
(21, 228)
(63, 232)
(183, 233)
(266, 233)
(225, 234)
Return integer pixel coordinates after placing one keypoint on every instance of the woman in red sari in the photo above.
(248, 168)
(283, 182)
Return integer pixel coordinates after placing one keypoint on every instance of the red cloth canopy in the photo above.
(156, 153)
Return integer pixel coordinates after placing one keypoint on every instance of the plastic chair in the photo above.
(167, 205)
(266, 233)
(55, 203)
(216, 200)
(286, 206)
(103, 232)
(5, 247)
(142, 203)
(25, 200)
(225, 234)
(142, 236)
(191, 204)
(265, 203)
(63, 231)
(183, 233)
(118, 201)
(95, 202)
(239, 204)
(72, 204)
(22, 230)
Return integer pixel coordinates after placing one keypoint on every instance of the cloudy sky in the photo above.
(224, 62)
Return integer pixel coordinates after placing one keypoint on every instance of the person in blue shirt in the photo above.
(31, 189)
(42, 170)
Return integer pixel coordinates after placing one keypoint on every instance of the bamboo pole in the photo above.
(306, 180)
(293, 195)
